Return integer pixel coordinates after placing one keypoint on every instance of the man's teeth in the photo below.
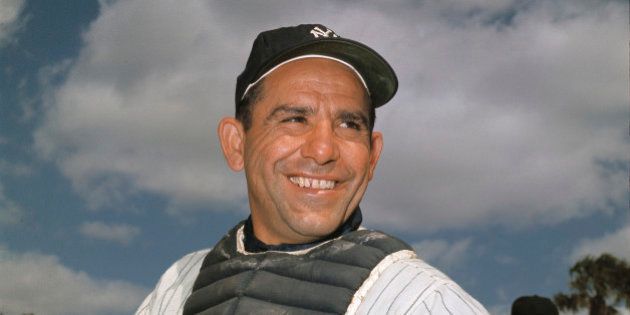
(312, 182)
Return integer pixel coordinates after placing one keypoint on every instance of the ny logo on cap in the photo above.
(317, 32)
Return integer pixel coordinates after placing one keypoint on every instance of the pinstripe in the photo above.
(455, 292)
(385, 288)
(187, 267)
(420, 295)
(141, 310)
(411, 286)
(463, 299)
(161, 306)
(426, 307)
(442, 300)
(170, 291)
(173, 287)
(434, 273)
(167, 291)
(190, 268)
(421, 270)
(402, 290)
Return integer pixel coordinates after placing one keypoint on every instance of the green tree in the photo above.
(596, 282)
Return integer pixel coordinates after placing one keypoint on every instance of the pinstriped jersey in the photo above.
(399, 284)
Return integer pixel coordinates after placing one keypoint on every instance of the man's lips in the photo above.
(313, 183)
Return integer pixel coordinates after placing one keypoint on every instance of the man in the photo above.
(305, 107)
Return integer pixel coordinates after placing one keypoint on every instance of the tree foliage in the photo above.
(597, 284)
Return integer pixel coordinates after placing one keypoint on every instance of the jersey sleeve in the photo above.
(411, 286)
(174, 287)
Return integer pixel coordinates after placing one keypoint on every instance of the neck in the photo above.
(254, 245)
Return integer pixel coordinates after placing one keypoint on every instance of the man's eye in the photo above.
(351, 125)
(294, 119)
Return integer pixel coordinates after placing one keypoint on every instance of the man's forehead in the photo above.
(295, 87)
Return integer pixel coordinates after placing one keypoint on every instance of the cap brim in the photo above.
(379, 76)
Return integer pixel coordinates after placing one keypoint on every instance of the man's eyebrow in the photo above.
(291, 109)
(353, 116)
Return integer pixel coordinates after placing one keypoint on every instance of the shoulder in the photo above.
(174, 286)
(405, 284)
(376, 239)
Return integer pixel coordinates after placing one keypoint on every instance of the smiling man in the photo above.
(305, 110)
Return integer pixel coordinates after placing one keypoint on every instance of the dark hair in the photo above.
(372, 113)
(534, 305)
(255, 94)
(244, 107)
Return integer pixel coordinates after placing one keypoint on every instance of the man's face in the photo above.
(308, 155)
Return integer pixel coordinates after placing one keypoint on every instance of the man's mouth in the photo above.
(314, 183)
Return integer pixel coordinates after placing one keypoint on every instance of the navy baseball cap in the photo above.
(275, 47)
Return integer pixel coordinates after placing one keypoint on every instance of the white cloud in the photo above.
(40, 284)
(616, 243)
(502, 117)
(442, 253)
(500, 309)
(9, 19)
(508, 123)
(10, 211)
(140, 106)
(119, 233)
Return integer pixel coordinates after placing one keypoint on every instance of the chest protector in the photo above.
(319, 280)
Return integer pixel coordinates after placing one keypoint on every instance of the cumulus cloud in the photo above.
(119, 233)
(9, 19)
(506, 113)
(139, 108)
(519, 123)
(10, 211)
(442, 253)
(41, 284)
(615, 243)
(500, 309)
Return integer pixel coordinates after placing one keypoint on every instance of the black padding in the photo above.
(321, 281)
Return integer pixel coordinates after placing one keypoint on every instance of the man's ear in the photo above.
(375, 152)
(232, 139)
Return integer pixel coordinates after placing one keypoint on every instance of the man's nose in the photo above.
(321, 145)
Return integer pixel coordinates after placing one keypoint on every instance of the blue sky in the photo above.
(505, 154)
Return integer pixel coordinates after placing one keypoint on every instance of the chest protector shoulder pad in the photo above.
(321, 280)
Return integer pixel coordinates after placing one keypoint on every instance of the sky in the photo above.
(505, 157)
